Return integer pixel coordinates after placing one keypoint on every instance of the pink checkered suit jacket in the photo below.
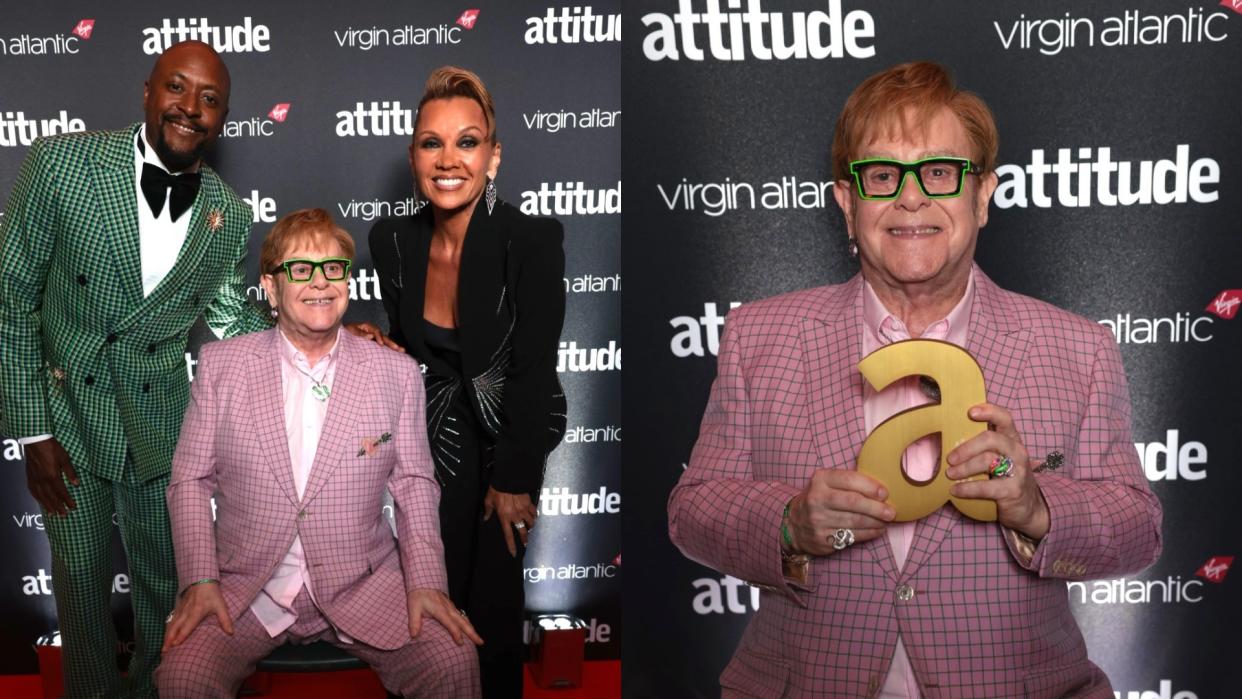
(975, 619)
(233, 444)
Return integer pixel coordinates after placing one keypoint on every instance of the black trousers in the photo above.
(483, 578)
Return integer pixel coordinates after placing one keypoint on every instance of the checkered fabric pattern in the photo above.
(212, 664)
(87, 357)
(233, 444)
(974, 619)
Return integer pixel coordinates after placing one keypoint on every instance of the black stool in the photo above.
(319, 656)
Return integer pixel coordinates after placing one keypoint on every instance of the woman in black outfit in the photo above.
(473, 289)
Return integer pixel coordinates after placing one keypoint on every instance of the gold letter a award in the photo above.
(961, 386)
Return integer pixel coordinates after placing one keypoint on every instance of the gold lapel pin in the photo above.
(215, 220)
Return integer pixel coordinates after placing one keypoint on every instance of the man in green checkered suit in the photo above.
(107, 260)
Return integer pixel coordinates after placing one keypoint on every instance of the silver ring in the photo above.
(462, 612)
(842, 538)
(519, 524)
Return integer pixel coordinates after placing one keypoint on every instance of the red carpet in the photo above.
(600, 679)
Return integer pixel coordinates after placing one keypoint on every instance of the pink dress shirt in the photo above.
(304, 418)
(920, 458)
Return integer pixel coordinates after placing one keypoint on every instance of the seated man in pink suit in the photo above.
(297, 432)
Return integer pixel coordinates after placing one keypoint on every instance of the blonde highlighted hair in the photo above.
(452, 81)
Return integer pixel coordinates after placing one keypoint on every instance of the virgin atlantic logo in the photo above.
(468, 18)
(1235, 5)
(1215, 569)
(279, 113)
(84, 28)
(1225, 305)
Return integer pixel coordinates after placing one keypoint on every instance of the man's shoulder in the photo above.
(818, 303)
(389, 362)
(235, 349)
(73, 146)
(1042, 317)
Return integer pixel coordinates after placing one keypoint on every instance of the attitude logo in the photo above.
(377, 119)
(572, 358)
(1225, 305)
(1215, 569)
(84, 28)
(723, 595)
(1094, 177)
(698, 336)
(55, 44)
(734, 34)
(1164, 692)
(572, 26)
(12, 450)
(18, 130)
(246, 37)
(560, 501)
(41, 583)
(468, 18)
(1171, 460)
(571, 198)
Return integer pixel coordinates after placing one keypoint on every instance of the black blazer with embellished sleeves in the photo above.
(510, 309)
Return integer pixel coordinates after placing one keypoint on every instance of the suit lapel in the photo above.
(264, 375)
(117, 203)
(998, 342)
(348, 401)
(480, 289)
(831, 350)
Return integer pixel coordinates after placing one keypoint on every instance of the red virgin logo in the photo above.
(1215, 569)
(468, 18)
(1235, 5)
(1225, 305)
(279, 112)
(84, 28)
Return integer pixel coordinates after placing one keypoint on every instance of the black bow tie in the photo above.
(156, 182)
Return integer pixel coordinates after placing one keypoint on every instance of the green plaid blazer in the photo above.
(83, 355)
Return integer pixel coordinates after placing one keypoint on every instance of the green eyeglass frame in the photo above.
(320, 265)
(963, 167)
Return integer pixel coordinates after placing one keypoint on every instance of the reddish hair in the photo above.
(314, 224)
(902, 99)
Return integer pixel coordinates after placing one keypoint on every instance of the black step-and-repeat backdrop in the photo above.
(1118, 199)
(322, 106)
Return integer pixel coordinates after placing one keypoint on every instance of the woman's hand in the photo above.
(515, 510)
(371, 331)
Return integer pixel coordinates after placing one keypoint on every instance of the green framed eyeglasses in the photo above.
(938, 178)
(301, 271)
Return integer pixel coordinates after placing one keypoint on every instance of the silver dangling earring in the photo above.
(852, 249)
(489, 193)
(274, 312)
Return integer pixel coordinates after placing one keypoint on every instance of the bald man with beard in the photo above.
(114, 243)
